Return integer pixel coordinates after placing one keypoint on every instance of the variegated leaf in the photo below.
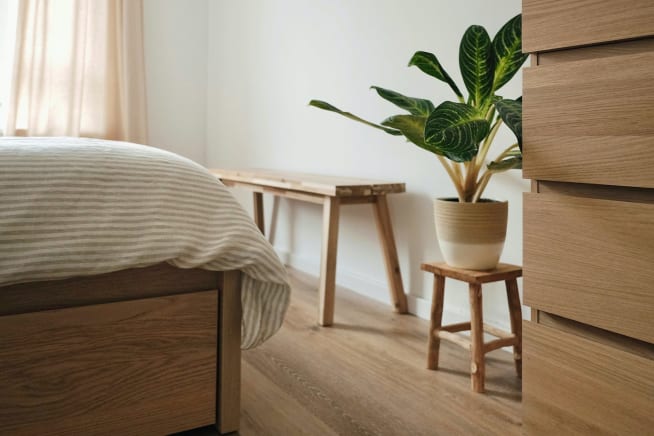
(511, 113)
(512, 162)
(328, 107)
(413, 127)
(415, 106)
(476, 63)
(428, 64)
(457, 129)
(507, 49)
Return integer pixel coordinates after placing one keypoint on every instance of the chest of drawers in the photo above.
(588, 125)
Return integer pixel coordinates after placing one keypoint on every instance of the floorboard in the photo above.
(366, 376)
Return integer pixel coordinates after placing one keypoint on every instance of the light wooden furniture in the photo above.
(364, 379)
(589, 220)
(437, 332)
(332, 193)
(146, 351)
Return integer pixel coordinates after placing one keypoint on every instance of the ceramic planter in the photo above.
(471, 235)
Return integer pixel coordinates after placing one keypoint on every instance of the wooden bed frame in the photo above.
(141, 351)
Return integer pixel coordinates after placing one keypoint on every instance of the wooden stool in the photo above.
(476, 326)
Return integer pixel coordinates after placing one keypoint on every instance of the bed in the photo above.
(130, 279)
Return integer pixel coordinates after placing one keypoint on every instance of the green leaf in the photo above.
(507, 49)
(509, 163)
(428, 64)
(476, 63)
(413, 127)
(511, 113)
(415, 106)
(457, 129)
(328, 107)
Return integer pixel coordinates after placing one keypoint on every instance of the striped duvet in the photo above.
(73, 207)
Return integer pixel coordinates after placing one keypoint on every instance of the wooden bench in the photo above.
(331, 193)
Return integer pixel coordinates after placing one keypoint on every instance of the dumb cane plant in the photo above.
(463, 131)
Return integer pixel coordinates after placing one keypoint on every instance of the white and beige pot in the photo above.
(471, 235)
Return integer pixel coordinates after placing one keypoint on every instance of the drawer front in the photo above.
(554, 24)
(591, 260)
(572, 385)
(137, 367)
(591, 121)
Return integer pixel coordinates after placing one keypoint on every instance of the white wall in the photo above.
(268, 59)
(175, 34)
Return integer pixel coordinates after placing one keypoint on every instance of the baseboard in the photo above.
(376, 289)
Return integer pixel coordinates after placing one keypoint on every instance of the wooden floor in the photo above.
(366, 376)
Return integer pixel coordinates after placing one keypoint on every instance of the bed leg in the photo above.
(228, 395)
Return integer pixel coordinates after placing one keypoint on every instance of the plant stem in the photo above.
(485, 178)
(481, 156)
(453, 176)
(469, 183)
(483, 181)
(506, 152)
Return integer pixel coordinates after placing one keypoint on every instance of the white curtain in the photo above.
(79, 70)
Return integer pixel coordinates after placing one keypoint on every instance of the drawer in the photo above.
(591, 260)
(555, 24)
(591, 121)
(572, 385)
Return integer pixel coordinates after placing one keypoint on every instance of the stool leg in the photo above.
(477, 369)
(515, 312)
(328, 261)
(436, 321)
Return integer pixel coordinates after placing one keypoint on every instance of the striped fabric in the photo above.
(73, 207)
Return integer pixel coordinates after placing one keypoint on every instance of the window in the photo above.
(7, 43)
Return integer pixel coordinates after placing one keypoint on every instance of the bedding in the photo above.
(75, 207)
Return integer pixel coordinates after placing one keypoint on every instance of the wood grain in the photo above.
(576, 386)
(228, 408)
(436, 321)
(611, 339)
(515, 313)
(329, 247)
(580, 127)
(366, 376)
(610, 50)
(391, 262)
(477, 366)
(309, 183)
(331, 192)
(135, 283)
(618, 193)
(555, 24)
(141, 367)
(293, 195)
(591, 260)
(504, 271)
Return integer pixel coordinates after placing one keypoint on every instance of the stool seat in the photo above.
(475, 344)
(503, 271)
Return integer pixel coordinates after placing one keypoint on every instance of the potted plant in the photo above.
(471, 230)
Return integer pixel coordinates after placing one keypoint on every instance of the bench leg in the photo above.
(331, 208)
(258, 212)
(436, 321)
(515, 312)
(477, 368)
(385, 230)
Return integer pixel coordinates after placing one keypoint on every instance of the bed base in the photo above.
(148, 351)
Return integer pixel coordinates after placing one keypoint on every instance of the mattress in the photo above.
(74, 207)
